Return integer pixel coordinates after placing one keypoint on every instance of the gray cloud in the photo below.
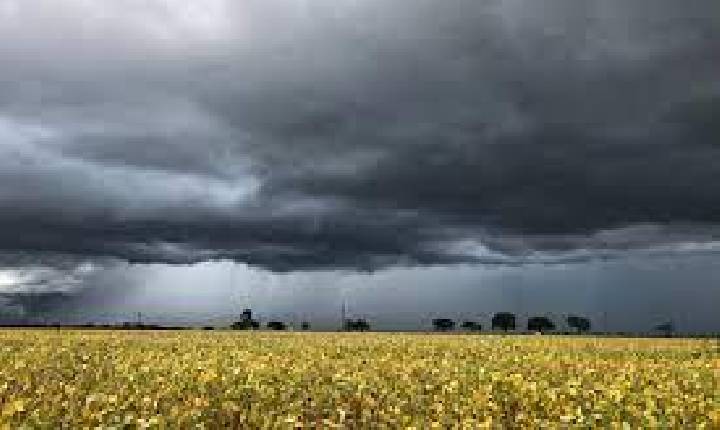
(357, 135)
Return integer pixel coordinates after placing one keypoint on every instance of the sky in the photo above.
(410, 158)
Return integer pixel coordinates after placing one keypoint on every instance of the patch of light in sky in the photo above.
(8, 279)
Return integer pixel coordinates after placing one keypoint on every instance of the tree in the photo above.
(276, 325)
(362, 325)
(504, 321)
(443, 324)
(667, 328)
(305, 325)
(540, 324)
(359, 324)
(246, 321)
(580, 324)
(245, 325)
(471, 326)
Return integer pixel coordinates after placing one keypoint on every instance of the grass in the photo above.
(198, 379)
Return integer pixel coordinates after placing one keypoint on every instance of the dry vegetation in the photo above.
(283, 380)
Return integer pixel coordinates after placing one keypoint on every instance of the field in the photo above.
(197, 379)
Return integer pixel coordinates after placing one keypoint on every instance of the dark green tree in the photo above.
(580, 324)
(668, 328)
(504, 321)
(359, 324)
(540, 324)
(443, 324)
(246, 321)
(276, 325)
(471, 326)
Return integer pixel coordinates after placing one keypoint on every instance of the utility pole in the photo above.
(139, 319)
(605, 322)
(343, 311)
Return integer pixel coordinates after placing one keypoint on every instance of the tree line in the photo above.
(507, 321)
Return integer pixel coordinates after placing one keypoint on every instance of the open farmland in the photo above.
(129, 379)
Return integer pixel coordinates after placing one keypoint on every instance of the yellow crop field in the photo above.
(223, 379)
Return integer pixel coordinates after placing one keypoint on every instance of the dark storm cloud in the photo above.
(313, 135)
(31, 308)
(543, 183)
(354, 240)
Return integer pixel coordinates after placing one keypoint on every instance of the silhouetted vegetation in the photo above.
(246, 322)
(667, 328)
(276, 325)
(471, 326)
(503, 321)
(443, 324)
(580, 324)
(359, 324)
(540, 324)
(500, 321)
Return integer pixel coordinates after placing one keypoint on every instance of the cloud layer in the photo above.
(356, 135)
